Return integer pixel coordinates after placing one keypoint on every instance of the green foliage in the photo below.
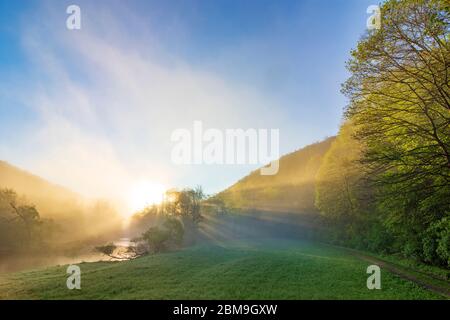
(290, 190)
(436, 243)
(175, 230)
(21, 227)
(339, 183)
(160, 238)
(170, 223)
(65, 217)
(186, 202)
(385, 183)
(156, 238)
(273, 269)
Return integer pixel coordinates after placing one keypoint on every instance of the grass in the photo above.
(272, 269)
(432, 271)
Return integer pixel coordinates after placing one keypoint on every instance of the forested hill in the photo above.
(60, 216)
(48, 197)
(292, 189)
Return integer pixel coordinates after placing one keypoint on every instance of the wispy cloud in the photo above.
(107, 105)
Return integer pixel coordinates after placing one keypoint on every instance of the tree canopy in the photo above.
(391, 177)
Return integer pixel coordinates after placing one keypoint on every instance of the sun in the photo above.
(143, 194)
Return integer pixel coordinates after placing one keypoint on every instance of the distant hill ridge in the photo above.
(45, 195)
(292, 189)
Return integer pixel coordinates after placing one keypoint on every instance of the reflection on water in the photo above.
(124, 242)
(20, 263)
(28, 262)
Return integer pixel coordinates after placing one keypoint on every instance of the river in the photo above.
(15, 263)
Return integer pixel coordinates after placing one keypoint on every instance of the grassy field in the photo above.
(272, 269)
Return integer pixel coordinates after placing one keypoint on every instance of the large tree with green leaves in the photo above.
(400, 104)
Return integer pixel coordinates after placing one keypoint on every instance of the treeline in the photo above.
(161, 227)
(26, 229)
(184, 204)
(21, 226)
(291, 190)
(384, 185)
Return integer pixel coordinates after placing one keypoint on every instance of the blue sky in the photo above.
(94, 108)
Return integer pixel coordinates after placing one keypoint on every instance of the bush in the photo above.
(379, 238)
(436, 243)
(161, 238)
(175, 230)
(156, 238)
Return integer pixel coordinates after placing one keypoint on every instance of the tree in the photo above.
(343, 195)
(400, 97)
(19, 217)
(156, 239)
(197, 196)
(186, 202)
(400, 105)
(160, 238)
(339, 179)
(175, 230)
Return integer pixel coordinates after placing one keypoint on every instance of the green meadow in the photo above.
(269, 269)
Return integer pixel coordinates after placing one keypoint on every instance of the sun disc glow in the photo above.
(145, 194)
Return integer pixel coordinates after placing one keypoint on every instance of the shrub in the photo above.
(175, 229)
(436, 243)
(160, 238)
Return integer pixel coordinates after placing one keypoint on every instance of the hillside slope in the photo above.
(48, 197)
(290, 190)
(73, 217)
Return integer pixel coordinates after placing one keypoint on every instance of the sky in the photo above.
(93, 109)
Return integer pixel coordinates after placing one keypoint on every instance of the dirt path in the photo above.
(401, 272)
